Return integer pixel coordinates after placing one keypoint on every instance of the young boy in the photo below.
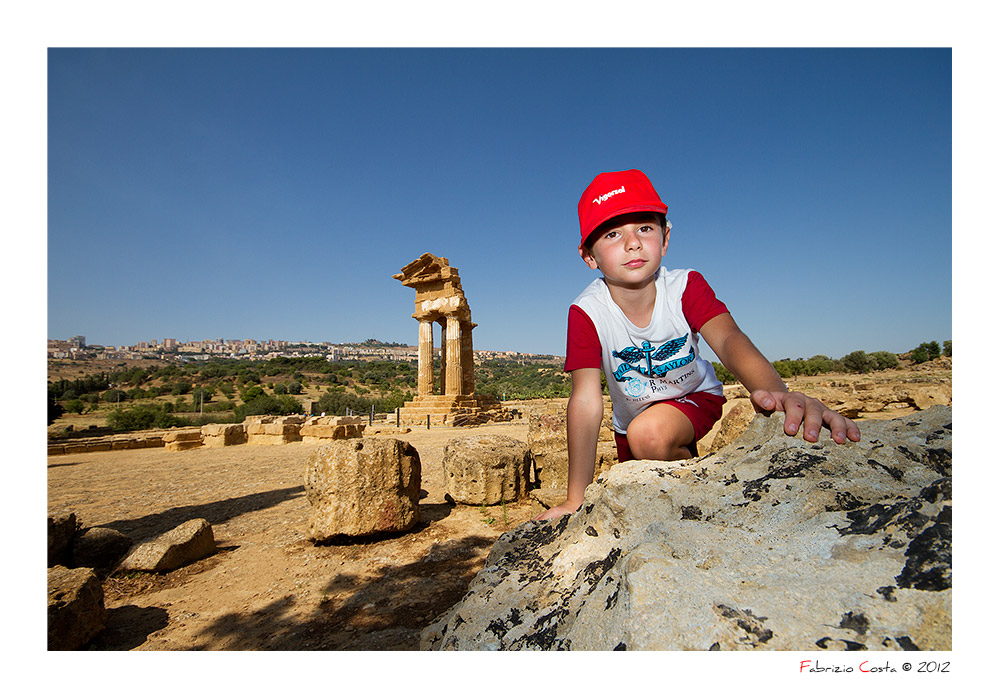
(639, 324)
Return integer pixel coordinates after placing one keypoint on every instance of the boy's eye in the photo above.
(612, 234)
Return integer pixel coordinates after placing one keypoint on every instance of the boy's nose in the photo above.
(632, 241)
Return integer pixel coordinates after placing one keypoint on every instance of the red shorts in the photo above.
(702, 409)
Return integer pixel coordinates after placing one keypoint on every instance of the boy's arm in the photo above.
(767, 391)
(584, 414)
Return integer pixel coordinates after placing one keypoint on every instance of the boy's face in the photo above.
(627, 249)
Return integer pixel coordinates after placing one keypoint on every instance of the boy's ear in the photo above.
(666, 240)
(588, 257)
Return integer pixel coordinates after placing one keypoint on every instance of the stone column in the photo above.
(468, 361)
(444, 356)
(453, 374)
(425, 359)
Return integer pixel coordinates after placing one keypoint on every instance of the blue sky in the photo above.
(273, 193)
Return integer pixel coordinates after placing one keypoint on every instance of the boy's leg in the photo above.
(661, 432)
(670, 430)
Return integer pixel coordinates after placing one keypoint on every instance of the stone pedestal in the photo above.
(363, 486)
(486, 470)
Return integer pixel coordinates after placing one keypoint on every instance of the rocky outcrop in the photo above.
(362, 486)
(771, 544)
(184, 544)
(485, 470)
(76, 610)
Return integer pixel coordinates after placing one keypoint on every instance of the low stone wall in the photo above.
(256, 429)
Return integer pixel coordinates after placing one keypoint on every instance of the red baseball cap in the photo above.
(613, 194)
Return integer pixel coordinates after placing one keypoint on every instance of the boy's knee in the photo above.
(653, 441)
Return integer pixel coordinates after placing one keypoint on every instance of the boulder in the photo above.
(178, 547)
(771, 544)
(62, 529)
(76, 610)
(100, 548)
(362, 486)
(486, 469)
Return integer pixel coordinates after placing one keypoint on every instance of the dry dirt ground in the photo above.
(269, 587)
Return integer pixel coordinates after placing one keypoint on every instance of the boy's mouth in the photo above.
(635, 264)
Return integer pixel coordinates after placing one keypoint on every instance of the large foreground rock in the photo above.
(75, 607)
(184, 544)
(486, 469)
(362, 486)
(771, 544)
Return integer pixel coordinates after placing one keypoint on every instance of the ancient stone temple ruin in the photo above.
(450, 399)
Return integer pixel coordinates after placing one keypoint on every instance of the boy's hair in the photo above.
(588, 244)
(612, 194)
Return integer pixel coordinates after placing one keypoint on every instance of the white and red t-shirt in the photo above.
(645, 365)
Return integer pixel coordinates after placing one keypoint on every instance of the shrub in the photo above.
(723, 374)
(269, 405)
(885, 360)
(859, 362)
(141, 417)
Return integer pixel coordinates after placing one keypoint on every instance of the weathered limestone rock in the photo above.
(178, 547)
(223, 435)
(486, 470)
(549, 454)
(182, 439)
(363, 486)
(321, 429)
(75, 607)
(100, 548)
(733, 424)
(277, 431)
(771, 544)
(62, 529)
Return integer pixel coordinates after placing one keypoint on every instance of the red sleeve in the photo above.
(583, 347)
(699, 302)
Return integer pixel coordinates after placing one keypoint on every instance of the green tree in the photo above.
(859, 362)
(114, 395)
(55, 410)
(885, 360)
(933, 349)
(250, 393)
(141, 417)
(947, 348)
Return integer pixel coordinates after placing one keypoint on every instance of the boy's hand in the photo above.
(558, 511)
(799, 407)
